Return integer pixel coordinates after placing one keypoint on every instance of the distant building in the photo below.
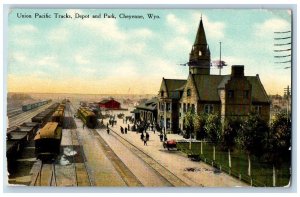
(109, 104)
(147, 111)
(279, 104)
(234, 95)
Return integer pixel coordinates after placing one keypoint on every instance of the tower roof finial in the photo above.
(200, 37)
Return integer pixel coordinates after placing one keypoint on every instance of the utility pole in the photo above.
(220, 62)
(287, 93)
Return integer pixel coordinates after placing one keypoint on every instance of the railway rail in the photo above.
(170, 178)
(82, 171)
(44, 175)
(13, 112)
(26, 116)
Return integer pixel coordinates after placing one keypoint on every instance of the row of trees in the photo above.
(251, 134)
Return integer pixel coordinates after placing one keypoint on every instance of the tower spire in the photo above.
(200, 37)
(200, 55)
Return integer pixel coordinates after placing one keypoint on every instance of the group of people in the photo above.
(145, 137)
(124, 130)
(112, 122)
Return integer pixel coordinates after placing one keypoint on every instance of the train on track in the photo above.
(31, 106)
(16, 138)
(19, 136)
(88, 117)
(59, 114)
(47, 141)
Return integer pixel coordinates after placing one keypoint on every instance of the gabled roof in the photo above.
(150, 104)
(106, 101)
(175, 84)
(208, 86)
(258, 91)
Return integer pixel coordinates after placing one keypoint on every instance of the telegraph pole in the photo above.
(287, 92)
(220, 63)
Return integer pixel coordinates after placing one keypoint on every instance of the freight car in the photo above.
(31, 106)
(58, 115)
(88, 117)
(47, 141)
(17, 138)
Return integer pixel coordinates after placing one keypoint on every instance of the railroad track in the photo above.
(44, 175)
(13, 112)
(167, 175)
(82, 171)
(26, 116)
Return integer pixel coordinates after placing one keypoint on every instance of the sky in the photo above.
(130, 56)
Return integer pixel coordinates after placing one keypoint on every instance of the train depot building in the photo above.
(109, 104)
(233, 95)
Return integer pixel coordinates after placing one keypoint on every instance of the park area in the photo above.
(261, 171)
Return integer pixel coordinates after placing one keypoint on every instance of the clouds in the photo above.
(215, 29)
(112, 55)
(271, 25)
(179, 26)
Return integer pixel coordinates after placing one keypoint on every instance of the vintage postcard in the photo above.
(149, 97)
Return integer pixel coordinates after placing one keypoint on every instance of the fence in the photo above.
(261, 172)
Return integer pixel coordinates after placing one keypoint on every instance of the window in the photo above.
(168, 123)
(200, 53)
(230, 94)
(208, 108)
(175, 94)
(168, 105)
(162, 93)
(193, 108)
(246, 94)
(188, 107)
(162, 107)
(258, 109)
(188, 92)
(184, 107)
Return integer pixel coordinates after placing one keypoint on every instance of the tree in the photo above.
(252, 137)
(199, 123)
(279, 143)
(231, 129)
(213, 129)
(189, 124)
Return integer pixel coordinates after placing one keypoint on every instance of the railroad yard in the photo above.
(93, 157)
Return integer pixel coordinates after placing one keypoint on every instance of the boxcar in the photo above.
(58, 115)
(47, 140)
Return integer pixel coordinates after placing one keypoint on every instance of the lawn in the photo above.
(262, 172)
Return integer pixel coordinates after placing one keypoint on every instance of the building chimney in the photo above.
(237, 71)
